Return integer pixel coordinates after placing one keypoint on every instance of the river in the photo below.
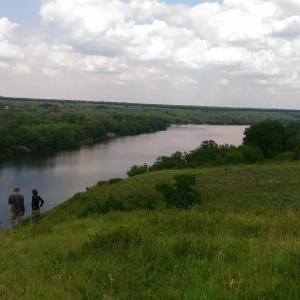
(59, 176)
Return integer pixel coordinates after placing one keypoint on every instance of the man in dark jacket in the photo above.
(16, 200)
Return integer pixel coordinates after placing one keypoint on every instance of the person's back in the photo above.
(17, 203)
(16, 200)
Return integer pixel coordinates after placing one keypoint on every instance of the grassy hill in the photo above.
(241, 242)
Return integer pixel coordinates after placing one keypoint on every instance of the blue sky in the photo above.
(222, 53)
(21, 11)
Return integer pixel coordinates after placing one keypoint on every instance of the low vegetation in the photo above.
(239, 242)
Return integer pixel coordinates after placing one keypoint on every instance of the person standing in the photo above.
(36, 203)
(16, 200)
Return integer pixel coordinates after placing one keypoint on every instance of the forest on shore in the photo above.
(41, 125)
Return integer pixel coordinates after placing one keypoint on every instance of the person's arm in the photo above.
(42, 202)
(9, 201)
(23, 206)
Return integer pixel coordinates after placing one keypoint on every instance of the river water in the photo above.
(59, 176)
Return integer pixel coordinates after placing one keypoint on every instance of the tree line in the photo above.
(262, 141)
(29, 132)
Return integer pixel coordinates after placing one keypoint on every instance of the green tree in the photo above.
(175, 161)
(136, 170)
(207, 154)
(269, 136)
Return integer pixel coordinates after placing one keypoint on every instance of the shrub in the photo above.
(287, 155)
(233, 157)
(175, 161)
(114, 180)
(147, 202)
(251, 155)
(136, 170)
(180, 194)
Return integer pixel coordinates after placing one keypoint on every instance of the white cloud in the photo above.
(223, 82)
(6, 28)
(7, 49)
(137, 76)
(228, 56)
(287, 8)
(22, 69)
(287, 27)
(192, 54)
(95, 63)
(240, 45)
(4, 65)
(49, 72)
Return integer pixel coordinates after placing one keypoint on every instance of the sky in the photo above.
(230, 53)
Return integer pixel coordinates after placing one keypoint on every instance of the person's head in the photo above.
(34, 192)
(16, 189)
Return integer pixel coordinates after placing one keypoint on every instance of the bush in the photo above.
(180, 194)
(287, 155)
(233, 157)
(251, 155)
(136, 170)
(114, 180)
(175, 161)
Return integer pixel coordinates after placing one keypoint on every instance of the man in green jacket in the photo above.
(16, 200)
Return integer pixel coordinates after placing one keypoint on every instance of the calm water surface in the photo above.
(60, 176)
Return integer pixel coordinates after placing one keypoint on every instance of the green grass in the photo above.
(241, 242)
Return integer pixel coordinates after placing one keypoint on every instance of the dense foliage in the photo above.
(27, 132)
(270, 137)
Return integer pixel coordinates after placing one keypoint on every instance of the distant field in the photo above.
(174, 113)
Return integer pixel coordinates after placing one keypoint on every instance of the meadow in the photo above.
(240, 242)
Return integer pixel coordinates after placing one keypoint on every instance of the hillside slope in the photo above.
(241, 242)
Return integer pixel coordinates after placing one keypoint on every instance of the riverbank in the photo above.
(239, 243)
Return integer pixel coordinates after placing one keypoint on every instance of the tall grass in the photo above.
(242, 242)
